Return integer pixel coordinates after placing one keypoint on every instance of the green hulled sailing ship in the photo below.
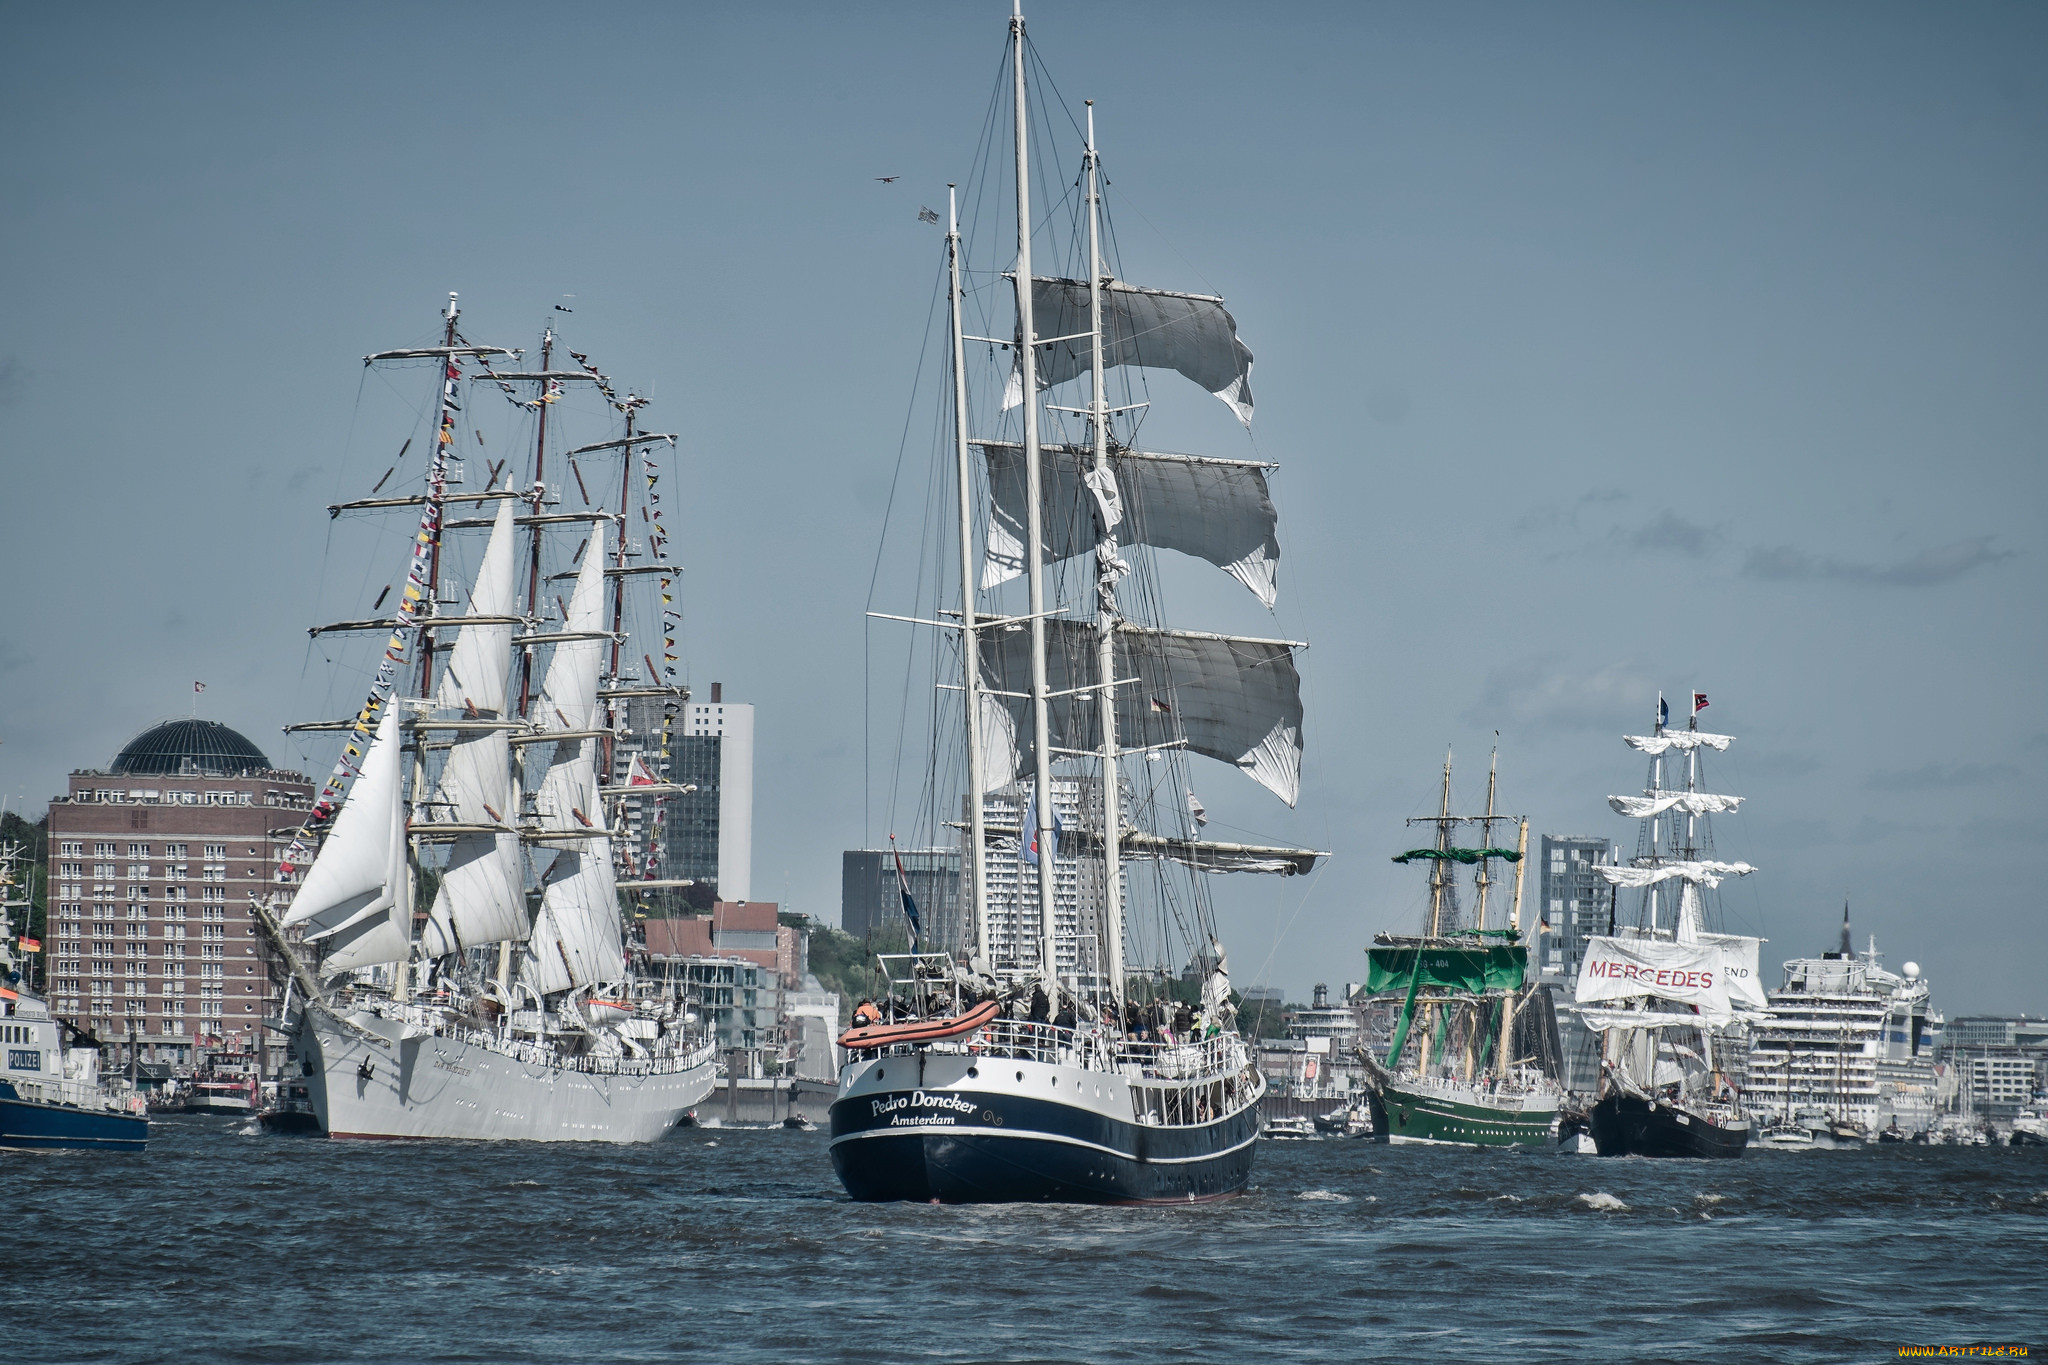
(1461, 988)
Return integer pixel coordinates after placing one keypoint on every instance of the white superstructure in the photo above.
(1847, 1040)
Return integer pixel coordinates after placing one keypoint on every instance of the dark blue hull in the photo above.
(30, 1124)
(980, 1148)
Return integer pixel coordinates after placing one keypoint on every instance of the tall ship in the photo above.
(1054, 1049)
(450, 911)
(1461, 985)
(1664, 990)
(1846, 1051)
(51, 1093)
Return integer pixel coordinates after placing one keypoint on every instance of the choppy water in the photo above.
(737, 1245)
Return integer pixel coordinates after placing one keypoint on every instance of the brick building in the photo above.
(152, 862)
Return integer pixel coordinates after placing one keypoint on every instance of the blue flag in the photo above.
(1663, 711)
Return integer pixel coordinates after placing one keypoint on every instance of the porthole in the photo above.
(973, 1072)
(1020, 1075)
(878, 1073)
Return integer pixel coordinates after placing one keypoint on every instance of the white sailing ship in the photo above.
(1028, 1067)
(509, 1014)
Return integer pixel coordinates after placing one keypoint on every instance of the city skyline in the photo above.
(1603, 352)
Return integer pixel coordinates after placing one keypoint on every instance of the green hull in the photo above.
(1422, 1114)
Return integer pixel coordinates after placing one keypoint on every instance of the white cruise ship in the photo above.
(1847, 1043)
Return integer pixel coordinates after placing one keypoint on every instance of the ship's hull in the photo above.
(1026, 1132)
(1417, 1114)
(34, 1125)
(375, 1081)
(1626, 1126)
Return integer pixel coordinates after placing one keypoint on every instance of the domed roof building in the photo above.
(189, 748)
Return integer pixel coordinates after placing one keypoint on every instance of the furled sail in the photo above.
(474, 678)
(1225, 697)
(1153, 328)
(1683, 973)
(1691, 803)
(1684, 741)
(576, 936)
(1704, 872)
(1212, 509)
(1497, 967)
(356, 901)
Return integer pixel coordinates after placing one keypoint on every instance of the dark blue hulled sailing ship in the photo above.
(1024, 1061)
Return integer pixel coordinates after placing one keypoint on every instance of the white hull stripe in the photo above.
(1027, 1136)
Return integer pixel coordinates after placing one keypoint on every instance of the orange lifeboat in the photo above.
(920, 1030)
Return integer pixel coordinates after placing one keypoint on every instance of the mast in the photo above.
(1105, 597)
(1437, 877)
(1656, 822)
(540, 458)
(437, 473)
(1486, 835)
(437, 487)
(1027, 355)
(632, 407)
(970, 638)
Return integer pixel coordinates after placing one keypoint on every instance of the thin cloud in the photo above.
(1928, 568)
(1674, 534)
(1940, 777)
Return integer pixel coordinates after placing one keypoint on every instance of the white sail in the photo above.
(576, 936)
(474, 678)
(1739, 969)
(1212, 509)
(1602, 1020)
(1684, 741)
(1703, 872)
(1683, 973)
(1154, 328)
(568, 798)
(1692, 803)
(482, 897)
(356, 901)
(1226, 697)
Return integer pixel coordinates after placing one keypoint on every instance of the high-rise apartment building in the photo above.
(709, 833)
(1574, 907)
(152, 862)
(870, 901)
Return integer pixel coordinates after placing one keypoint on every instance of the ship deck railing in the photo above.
(69, 1093)
(1093, 1048)
(594, 1064)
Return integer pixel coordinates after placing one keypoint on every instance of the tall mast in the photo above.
(1027, 354)
(1443, 842)
(1105, 598)
(540, 459)
(632, 407)
(1657, 821)
(1486, 834)
(970, 646)
(444, 435)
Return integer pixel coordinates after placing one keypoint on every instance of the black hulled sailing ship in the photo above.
(1021, 1064)
(1660, 991)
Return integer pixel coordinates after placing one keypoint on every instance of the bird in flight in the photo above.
(888, 179)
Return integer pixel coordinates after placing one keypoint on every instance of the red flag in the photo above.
(1699, 702)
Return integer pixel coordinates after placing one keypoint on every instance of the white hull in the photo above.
(380, 1083)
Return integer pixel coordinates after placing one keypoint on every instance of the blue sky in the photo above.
(1604, 349)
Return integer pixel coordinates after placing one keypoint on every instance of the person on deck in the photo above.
(865, 1014)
